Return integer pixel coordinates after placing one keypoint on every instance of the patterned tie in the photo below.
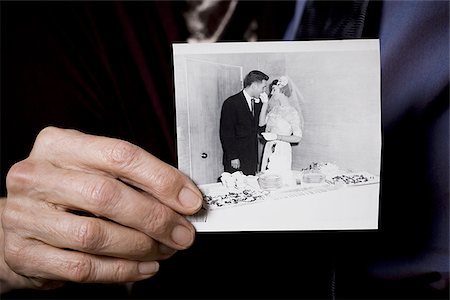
(339, 19)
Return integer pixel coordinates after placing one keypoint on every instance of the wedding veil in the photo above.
(296, 99)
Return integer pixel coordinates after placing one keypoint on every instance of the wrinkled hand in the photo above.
(93, 209)
(264, 97)
(235, 163)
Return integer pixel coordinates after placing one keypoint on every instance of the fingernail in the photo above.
(148, 267)
(182, 236)
(166, 250)
(189, 199)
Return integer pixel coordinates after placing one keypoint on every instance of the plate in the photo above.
(269, 136)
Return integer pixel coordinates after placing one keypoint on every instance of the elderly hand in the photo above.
(93, 209)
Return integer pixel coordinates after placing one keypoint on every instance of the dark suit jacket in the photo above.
(238, 134)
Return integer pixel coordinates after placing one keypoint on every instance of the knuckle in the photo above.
(21, 175)
(143, 248)
(79, 270)
(122, 154)
(103, 193)
(156, 221)
(15, 253)
(11, 219)
(120, 271)
(12, 257)
(89, 235)
(47, 135)
(165, 181)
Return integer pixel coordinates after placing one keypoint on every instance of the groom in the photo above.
(239, 125)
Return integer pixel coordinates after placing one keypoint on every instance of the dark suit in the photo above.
(238, 134)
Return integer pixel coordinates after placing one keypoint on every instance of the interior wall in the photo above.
(341, 109)
(342, 103)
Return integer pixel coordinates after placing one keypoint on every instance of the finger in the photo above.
(101, 196)
(94, 236)
(46, 262)
(117, 158)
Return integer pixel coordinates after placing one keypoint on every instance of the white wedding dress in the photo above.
(277, 155)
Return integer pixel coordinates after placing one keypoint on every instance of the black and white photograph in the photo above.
(281, 135)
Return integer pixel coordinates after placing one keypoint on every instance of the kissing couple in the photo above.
(274, 110)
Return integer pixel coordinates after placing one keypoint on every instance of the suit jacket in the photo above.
(238, 134)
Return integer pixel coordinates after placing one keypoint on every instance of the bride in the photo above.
(282, 116)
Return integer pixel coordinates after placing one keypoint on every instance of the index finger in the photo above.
(72, 149)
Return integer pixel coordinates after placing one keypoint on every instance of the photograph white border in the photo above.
(310, 208)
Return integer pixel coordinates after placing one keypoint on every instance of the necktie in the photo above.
(253, 106)
(336, 19)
